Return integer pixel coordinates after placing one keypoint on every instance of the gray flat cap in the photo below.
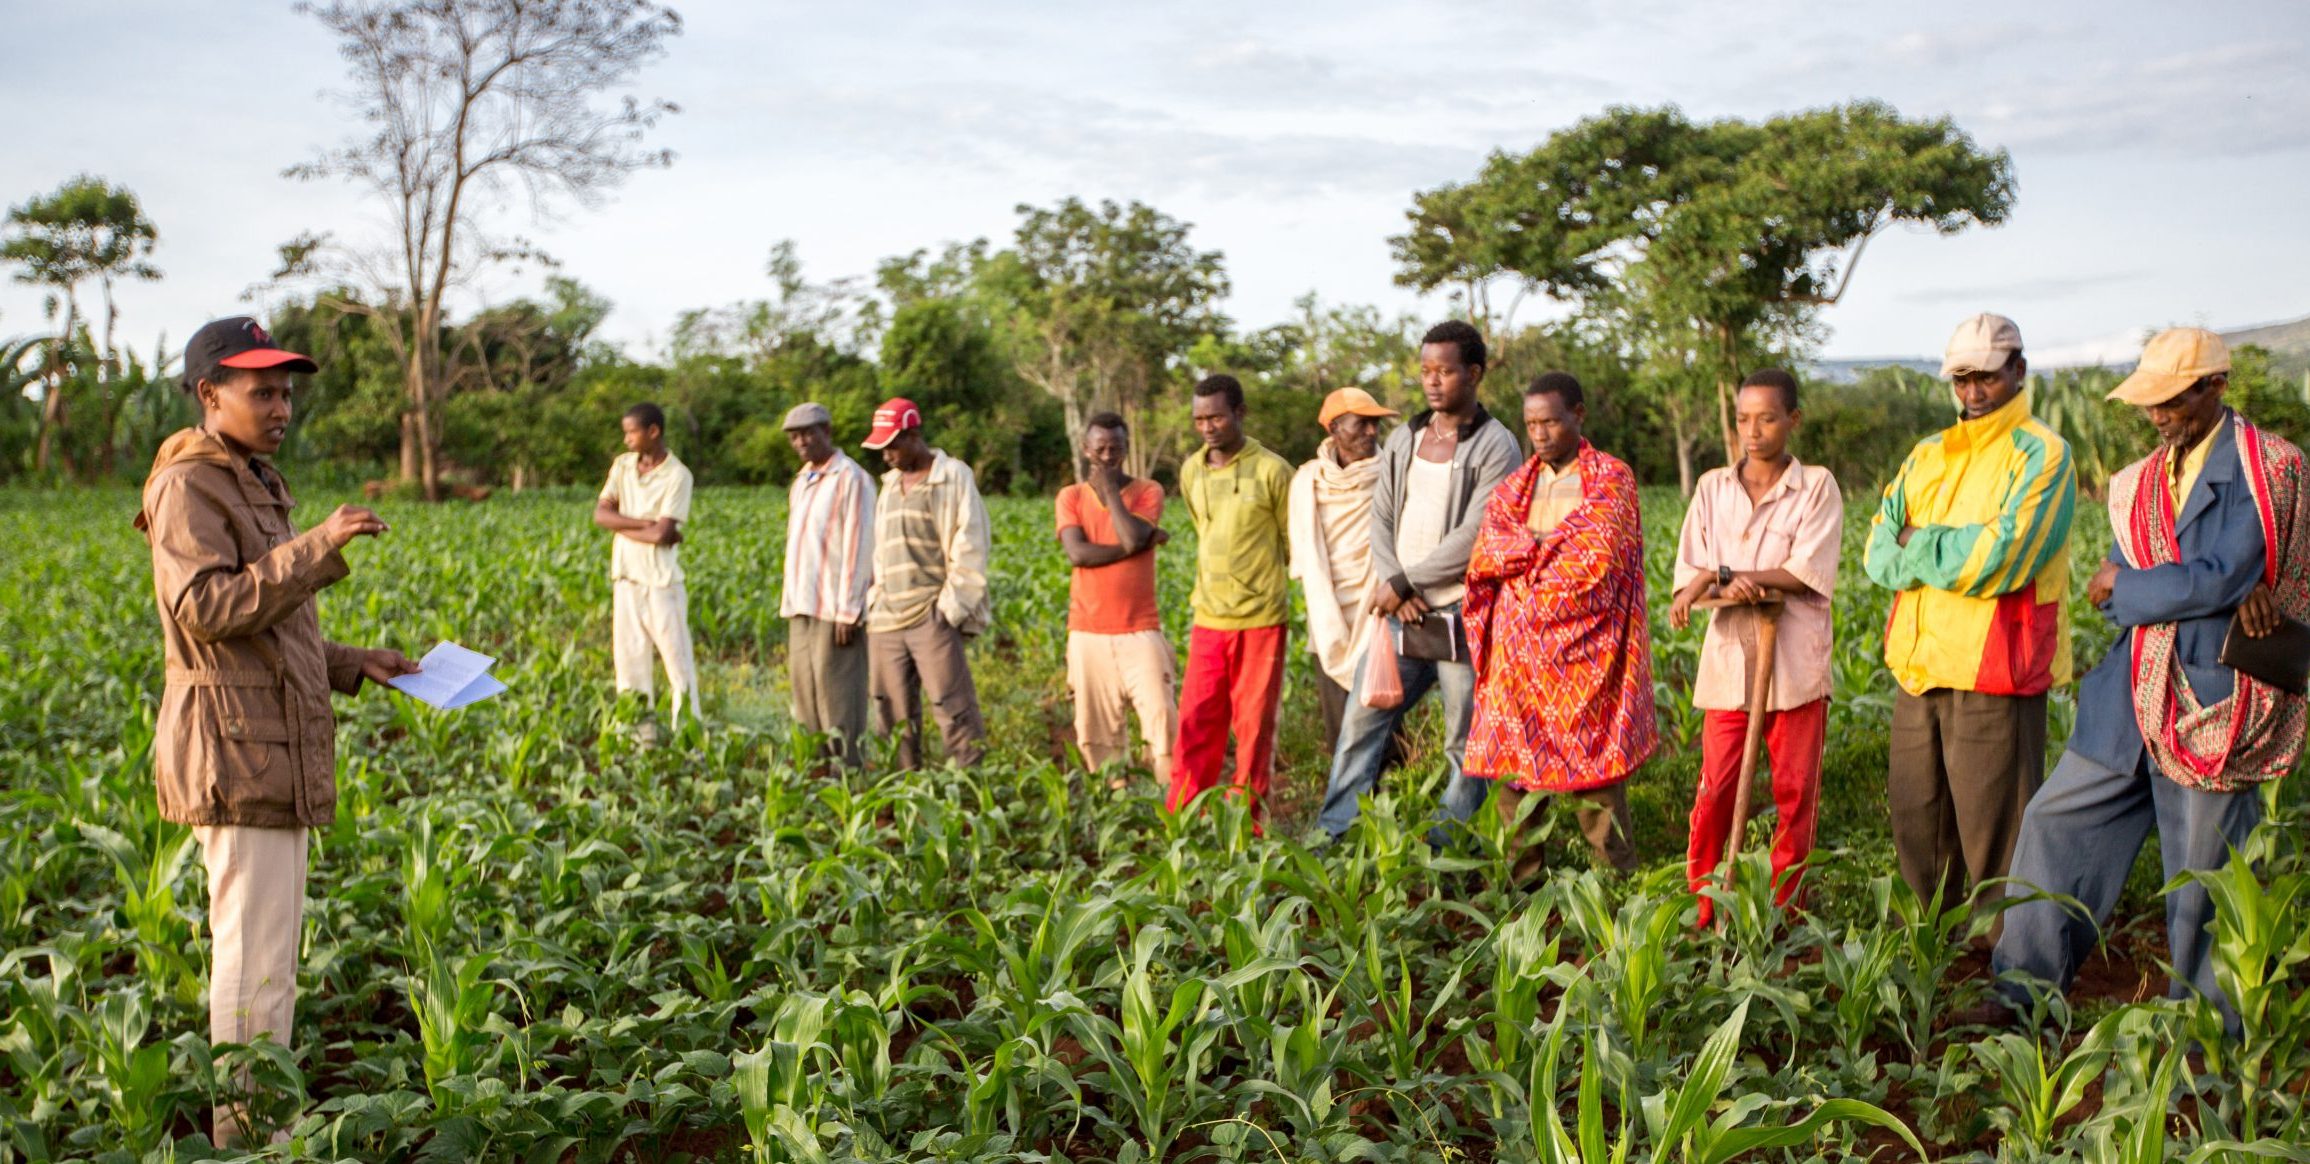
(806, 414)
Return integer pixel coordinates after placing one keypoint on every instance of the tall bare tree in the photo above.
(466, 103)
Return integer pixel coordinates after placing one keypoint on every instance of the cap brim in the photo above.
(269, 358)
(2143, 389)
(1325, 421)
(1975, 361)
(878, 438)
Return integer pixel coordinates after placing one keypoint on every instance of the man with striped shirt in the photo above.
(929, 592)
(829, 565)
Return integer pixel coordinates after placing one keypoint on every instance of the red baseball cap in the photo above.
(896, 415)
(237, 342)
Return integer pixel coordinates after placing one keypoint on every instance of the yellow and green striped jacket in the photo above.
(1984, 579)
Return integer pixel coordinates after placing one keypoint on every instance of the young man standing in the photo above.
(929, 592)
(1238, 494)
(829, 566)
(1116, 652)
(1435, 475)
(1558, 630)
(1331, 545)
(244, 749)
(1973, 533)
(1767, 523)
(644, 504)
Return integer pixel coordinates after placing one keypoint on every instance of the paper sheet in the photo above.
(450, 677)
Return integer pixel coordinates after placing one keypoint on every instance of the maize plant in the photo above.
(530, 937)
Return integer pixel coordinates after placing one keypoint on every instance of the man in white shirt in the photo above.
(644, 505)
(829, 566)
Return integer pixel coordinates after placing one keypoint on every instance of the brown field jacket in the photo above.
(246, 735)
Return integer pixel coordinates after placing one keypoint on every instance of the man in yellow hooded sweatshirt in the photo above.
(1974, 536)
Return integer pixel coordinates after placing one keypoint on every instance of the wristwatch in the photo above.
(1724, 575)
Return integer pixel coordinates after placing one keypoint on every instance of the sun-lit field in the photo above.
(529, 939)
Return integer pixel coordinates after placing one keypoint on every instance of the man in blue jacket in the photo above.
(2167, 736)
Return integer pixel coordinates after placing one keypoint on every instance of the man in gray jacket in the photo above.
(1435, 475)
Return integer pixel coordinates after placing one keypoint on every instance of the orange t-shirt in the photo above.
(1119, 598)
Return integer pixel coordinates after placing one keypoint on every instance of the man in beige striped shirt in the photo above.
(930, 590)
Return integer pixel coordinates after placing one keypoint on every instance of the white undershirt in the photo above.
(1420, 528)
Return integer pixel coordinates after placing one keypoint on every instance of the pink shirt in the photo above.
(1796, 527)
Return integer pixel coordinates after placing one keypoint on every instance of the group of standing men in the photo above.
(1440, 558)
(1514, 590)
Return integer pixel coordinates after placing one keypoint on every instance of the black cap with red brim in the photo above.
(238, 342)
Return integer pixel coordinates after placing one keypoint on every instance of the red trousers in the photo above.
(1793, 753)
(1234, 681)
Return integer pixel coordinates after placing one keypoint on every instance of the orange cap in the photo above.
(1351, 402)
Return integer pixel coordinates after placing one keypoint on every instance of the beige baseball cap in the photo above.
(1982, 344)
(2173, 360)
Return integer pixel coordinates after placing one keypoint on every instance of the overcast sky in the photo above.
(2161, 160)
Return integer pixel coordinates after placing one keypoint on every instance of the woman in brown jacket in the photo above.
(246, 744)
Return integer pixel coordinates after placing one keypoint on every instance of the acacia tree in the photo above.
(1105, 301)
(466, 102)
(1723, 229)
(87, 229)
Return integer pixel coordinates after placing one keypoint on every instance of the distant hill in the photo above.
(2288, 344)
(2291, 338)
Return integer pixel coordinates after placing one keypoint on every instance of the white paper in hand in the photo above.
(450, 677)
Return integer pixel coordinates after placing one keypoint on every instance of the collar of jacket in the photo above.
(1467, 428)
(201, 446)
(2223, 466)
(833, 467)
(942, 470)
(1967, 435)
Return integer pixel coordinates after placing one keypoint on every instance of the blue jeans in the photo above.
(2080, 836)
(1364, 735)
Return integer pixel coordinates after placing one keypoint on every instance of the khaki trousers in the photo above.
(1962, 767)
(654, 620)
(829, 684)
(1113, 673)
(256, 915)
(926, 658)
(1603, 817)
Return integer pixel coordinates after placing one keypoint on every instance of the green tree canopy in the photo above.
(87, 229)
(1723, 229)
(1108, 300)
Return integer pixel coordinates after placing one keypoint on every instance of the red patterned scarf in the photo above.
(2255, 734)
(1559, 637)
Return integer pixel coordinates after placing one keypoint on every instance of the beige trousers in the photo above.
(1113, 674)
(256, 915)
(654, 620)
